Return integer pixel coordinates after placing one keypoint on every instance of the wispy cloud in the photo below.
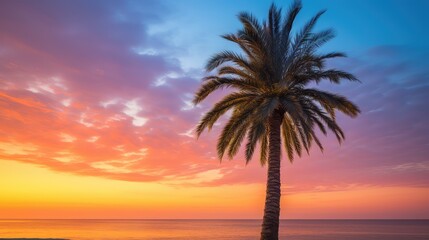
(89, 89)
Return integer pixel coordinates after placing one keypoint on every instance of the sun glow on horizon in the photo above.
(34, 194)
(97, 119)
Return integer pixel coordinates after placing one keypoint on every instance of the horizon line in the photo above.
(260, 219)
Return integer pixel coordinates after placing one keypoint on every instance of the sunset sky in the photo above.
(96, 119)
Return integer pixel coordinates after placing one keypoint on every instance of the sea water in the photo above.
(214, 229)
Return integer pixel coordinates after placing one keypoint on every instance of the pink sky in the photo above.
(97, 90)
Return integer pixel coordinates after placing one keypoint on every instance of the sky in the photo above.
(96, 119)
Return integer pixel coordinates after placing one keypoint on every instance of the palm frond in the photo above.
(214, 83)
(288, 140)
(264, 149)
(256, 132)
(228, 56)
(333, 101)
(305, 33)
(228, 102)
(271, 77)
(236, 139)
(250, 23)
(240, 116)
(288, 21)
(274, 20)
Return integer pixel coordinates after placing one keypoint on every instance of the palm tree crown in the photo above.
(272, 79)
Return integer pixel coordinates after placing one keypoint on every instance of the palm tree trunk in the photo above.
(270, 224)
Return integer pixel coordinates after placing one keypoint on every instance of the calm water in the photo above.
(215, 229)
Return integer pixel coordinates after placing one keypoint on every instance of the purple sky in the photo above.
(103, 88)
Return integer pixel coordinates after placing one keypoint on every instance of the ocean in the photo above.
(214, 229)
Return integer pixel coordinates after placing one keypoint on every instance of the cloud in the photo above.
(390, 135)
(73, 87)
(87, 89)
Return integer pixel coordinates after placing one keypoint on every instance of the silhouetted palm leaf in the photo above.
(270, 97)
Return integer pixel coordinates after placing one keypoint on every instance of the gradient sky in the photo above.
(96, 117)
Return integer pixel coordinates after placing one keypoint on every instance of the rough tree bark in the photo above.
(270, 224)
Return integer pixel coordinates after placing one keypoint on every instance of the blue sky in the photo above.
(104, 89)
(360, 25)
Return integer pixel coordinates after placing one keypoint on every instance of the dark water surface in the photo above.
(214, 229)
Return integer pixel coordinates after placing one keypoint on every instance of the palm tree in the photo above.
(271, 97)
